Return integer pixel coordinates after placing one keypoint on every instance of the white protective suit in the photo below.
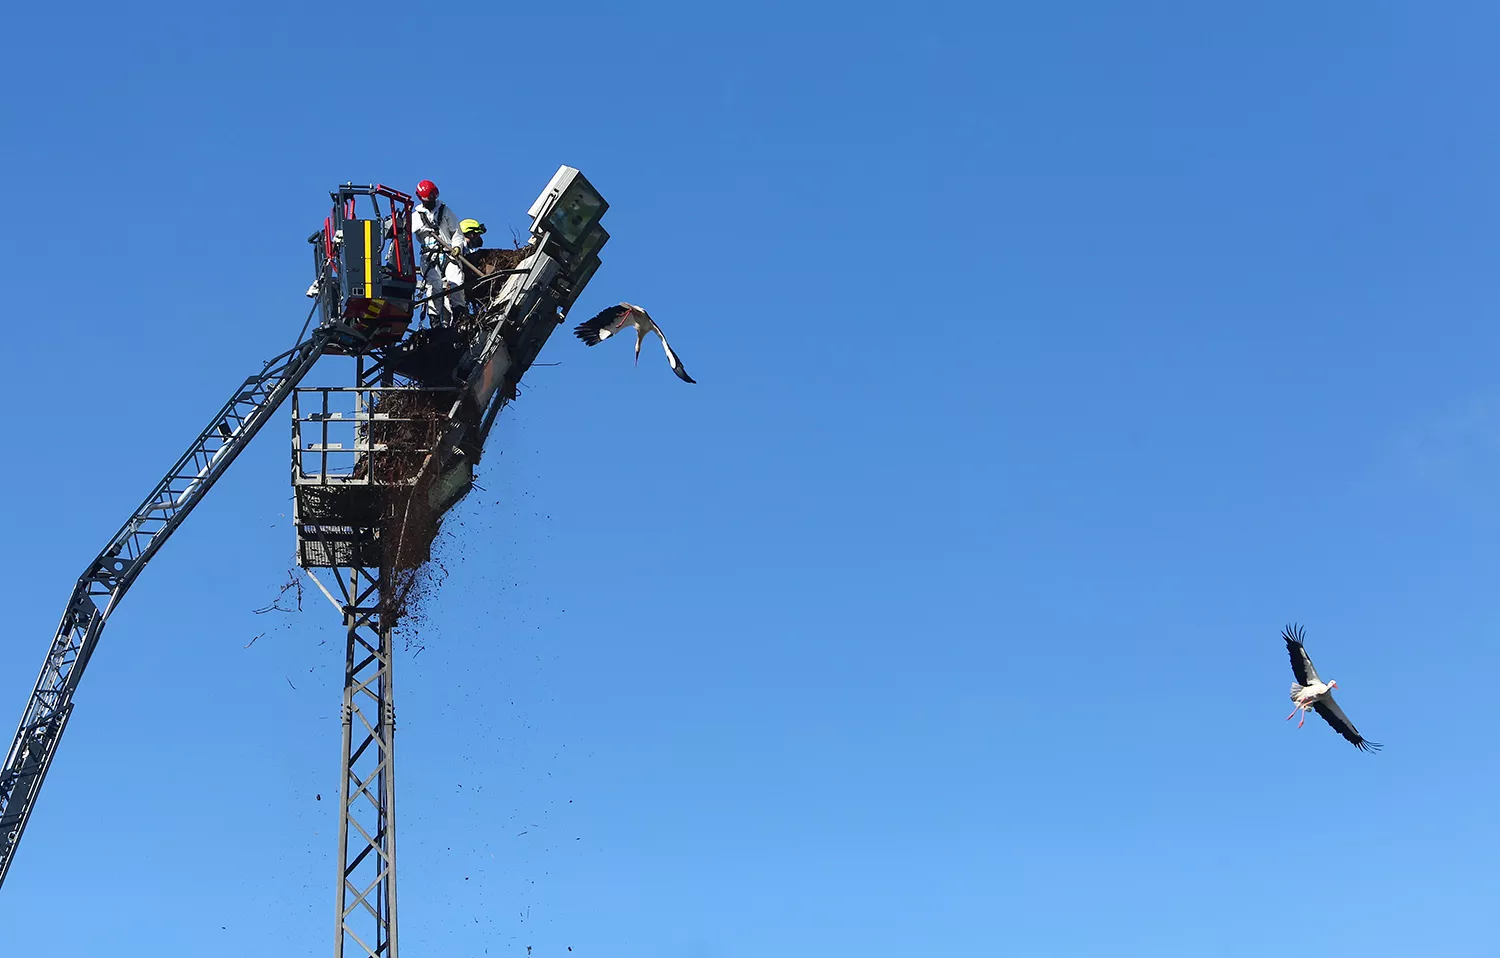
(436, 231)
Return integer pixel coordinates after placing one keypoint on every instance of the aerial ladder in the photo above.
(365, 298)
(111, 573)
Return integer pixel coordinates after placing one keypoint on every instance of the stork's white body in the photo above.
(1304, 696)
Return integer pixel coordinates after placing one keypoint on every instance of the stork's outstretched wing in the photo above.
(1335, 716)
(603, 325)
(672, 359)
(1302, 666)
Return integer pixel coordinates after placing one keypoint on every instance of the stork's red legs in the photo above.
(1294, 712)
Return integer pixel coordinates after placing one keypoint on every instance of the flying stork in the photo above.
(615, 318)
(1311, 692)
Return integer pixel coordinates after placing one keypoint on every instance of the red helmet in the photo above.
(427, 190)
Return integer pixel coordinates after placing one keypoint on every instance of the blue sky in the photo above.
(1050, 360)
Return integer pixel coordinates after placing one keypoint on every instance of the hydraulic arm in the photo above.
(112, 572)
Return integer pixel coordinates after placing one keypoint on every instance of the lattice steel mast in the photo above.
(347, 474)
(403, 442)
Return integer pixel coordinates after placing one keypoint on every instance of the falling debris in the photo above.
(294, 585)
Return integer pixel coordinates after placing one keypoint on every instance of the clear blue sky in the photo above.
(1050, 359)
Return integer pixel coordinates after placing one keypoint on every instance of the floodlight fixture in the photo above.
(579, 277)
(568, 208)
(593, 241)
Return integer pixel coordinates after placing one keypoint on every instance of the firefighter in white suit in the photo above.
(437, 233)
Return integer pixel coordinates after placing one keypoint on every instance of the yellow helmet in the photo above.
(471, 226)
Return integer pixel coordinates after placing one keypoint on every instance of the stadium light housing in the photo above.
(568, 209)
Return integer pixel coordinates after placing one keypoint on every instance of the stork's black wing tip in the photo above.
(682, 375)
(1365, 745)
(589, 329)
(588, 332)
(1302, 666)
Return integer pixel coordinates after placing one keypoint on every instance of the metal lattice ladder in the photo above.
(99, 590)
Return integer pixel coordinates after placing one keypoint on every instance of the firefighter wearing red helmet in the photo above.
(436, 230)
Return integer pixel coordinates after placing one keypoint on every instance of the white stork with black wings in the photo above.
(615, 318)
(1311, 692)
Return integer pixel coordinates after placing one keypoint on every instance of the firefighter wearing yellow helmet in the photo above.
(473, 232)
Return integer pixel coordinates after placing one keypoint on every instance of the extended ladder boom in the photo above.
(111, 574)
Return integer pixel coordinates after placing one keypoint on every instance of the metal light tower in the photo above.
(375, 466)
(355, 471)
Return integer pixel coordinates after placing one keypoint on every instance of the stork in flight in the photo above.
(615, 318)
(1311, 692)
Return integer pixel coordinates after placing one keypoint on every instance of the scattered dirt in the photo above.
(293, 584)
(408, 521)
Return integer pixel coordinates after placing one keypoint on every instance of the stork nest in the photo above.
(481, 292)
(487, 260)
(408, 522)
